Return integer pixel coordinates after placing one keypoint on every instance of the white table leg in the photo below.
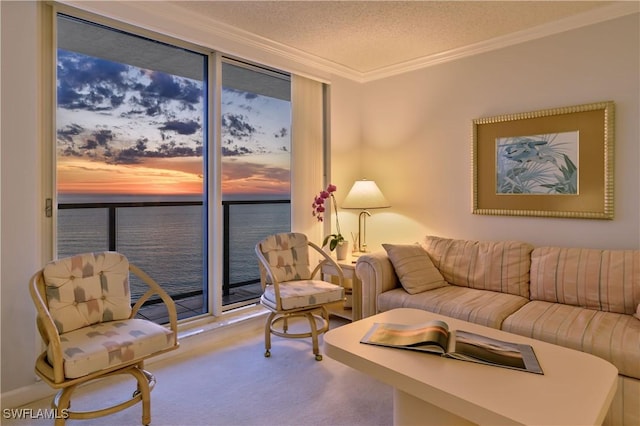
(409, 410)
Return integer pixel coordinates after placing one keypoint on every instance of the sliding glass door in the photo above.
(131, 131)
(132, 123)
(256, 170)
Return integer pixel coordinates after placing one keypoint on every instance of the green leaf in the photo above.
(333, 240)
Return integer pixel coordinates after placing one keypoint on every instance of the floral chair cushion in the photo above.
(103, 345)
(300, 294)
(88, 289)
(288, 256)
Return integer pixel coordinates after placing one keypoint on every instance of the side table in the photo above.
(348, 266)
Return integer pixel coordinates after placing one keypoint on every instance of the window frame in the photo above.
(210, 291)
(303, 159)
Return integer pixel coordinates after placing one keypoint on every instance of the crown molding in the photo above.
(234, 41)
(173, 20)
(577, 21)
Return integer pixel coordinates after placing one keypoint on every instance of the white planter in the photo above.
(342, 250)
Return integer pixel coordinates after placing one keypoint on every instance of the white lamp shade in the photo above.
(365, 194)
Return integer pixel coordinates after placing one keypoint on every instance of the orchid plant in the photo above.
(319, 207)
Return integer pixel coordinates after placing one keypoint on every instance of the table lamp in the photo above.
(364, 195)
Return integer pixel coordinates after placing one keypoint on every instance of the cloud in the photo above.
(256, 172)
(252, 178)
(181, 127)
(122, 115)
(68, 132)
(283, 132)
(89, 83)
(90, 144)
(102, 94)
(235, 151)
(241, 94)
(162, 86)
(170, 87)
(103, 137)
(237, 126)
(126, 156)
(94, 84)
(98, 146)
(171, 150)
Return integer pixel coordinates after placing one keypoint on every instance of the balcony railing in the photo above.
(245, 223)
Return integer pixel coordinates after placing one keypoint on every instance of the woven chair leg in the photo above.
(267, 335)
(144, 378)
(314, 335)
(145, 382)
(62, 401)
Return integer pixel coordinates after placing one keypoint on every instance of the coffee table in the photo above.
(576, 388)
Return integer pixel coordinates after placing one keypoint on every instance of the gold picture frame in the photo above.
(554, 162)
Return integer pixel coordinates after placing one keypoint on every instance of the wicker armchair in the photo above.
(88, 325)
(290, 289)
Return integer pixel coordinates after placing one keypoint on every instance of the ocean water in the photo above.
(167, 242)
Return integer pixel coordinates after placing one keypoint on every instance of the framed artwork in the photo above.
(555, 162)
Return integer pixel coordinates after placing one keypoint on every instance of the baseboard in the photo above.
(26, 394)
(213, 332)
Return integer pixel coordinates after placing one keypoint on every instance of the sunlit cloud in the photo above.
(245, 177)
(126, 130)
(76, 175)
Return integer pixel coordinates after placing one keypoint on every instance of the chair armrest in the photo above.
(154, 288)
(377, 275)
(48, 331)
(326, 259)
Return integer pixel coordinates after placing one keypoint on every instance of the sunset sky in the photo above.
(126, 130)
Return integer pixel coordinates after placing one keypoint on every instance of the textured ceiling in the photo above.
(366, 36)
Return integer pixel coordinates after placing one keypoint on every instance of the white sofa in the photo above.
(584, 299)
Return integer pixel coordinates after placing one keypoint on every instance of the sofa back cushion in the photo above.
(605, 280)
(501, 266)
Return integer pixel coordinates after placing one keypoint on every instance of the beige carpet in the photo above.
(231, 383)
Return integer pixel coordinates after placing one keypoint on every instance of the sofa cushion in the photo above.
(614, 337)
(604, 280)
(501, 266)
(478, 306)
(414, 268)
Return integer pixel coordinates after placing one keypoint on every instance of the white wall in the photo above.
(345, 137)
(20, 191)
(416, 135)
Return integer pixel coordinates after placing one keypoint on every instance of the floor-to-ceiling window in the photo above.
(132, 139)
(256, 169)
(130, 173)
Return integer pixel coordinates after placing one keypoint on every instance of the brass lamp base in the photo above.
(359, 253)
